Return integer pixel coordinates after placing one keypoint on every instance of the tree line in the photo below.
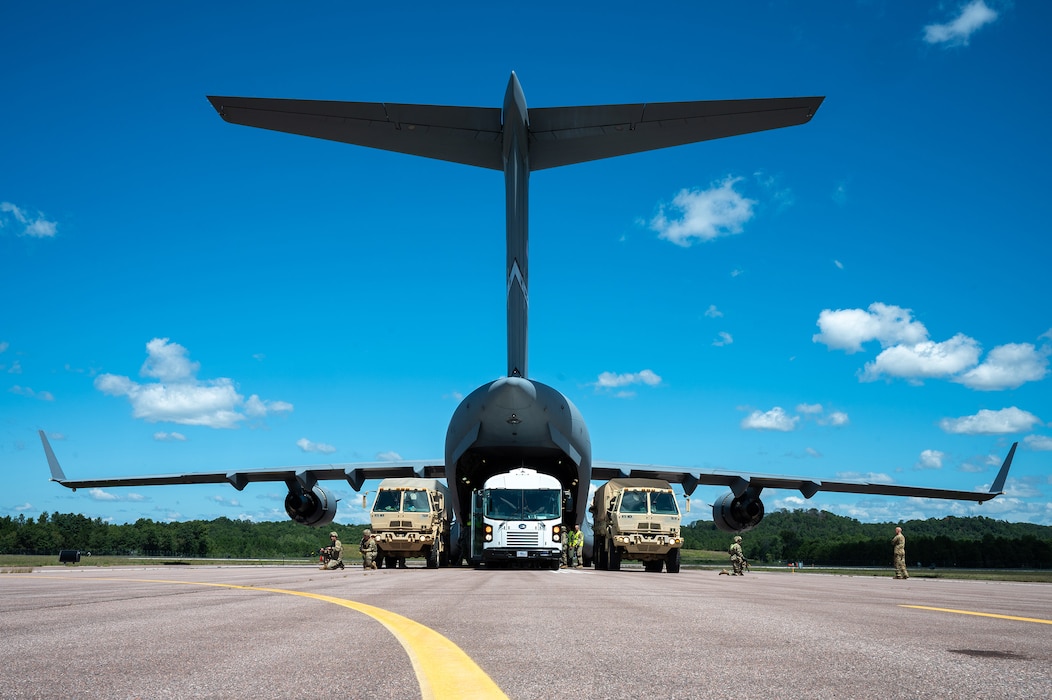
(821, 538)
(810, 536)
(220, 538)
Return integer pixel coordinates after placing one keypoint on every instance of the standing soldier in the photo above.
(900, 554)
(737, 558)
(567, 534)
(578, 546)
(368, 550)
(574, 543)
(333, 553)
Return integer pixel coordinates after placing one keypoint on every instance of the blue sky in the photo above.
(862, 296)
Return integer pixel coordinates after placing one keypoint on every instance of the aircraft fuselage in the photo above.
(515, 422)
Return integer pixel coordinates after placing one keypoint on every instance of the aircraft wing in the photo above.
(557, 135)
(354, 474)
(740, 482)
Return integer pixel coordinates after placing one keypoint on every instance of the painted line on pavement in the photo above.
(443, 670)
(980, 614)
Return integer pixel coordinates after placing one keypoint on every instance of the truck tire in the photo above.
(613, 556)
(599, 549)
(432, 556)
(443, 556)
(672, 562)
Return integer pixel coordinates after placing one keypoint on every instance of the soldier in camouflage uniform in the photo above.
(333, 552)
(737, 558)
(900, 554)
(368, 550)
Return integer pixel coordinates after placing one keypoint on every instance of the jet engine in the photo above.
(737, 513)
(315, 507)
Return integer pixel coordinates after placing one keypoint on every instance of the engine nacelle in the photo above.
(315, 508)
(737, 514)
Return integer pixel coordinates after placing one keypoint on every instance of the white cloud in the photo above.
(871, 477)
(169, 437)
(711, 312)
(1041, 443)
(835, 418)
(848, 329)
(308, 446)
(179, 396)
(703, 215)
(389, 456)
(26, 391)
(34, 227)
(611, 380)
(909, 354)
(987, 422)
(1007, 367)
(775, 419)
(924, 360)
(931, 459)
(973, 16)
(723, 338)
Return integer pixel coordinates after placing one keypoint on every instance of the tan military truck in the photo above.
(411, 518)
(636, 519)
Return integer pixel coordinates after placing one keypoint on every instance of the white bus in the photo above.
(517, 519)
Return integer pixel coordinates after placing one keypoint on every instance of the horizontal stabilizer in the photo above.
(469, 135)
(565, 135)
(556, 135)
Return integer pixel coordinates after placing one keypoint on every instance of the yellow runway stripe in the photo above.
(443, 670)
(981, 614)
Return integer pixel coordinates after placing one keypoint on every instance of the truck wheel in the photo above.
(432, 557)
(443, 556)
(672, 562)
(600, 553)
(613, 557)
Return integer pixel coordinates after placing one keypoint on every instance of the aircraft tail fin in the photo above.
(52, 461)
(999, 482)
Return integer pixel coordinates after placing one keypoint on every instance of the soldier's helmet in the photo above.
(367, 532)
(737, 538)
(333, 534)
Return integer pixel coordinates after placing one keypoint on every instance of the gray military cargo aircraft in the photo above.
(516, 421)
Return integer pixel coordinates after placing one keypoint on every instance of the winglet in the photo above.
(56, 470)
(999, 482)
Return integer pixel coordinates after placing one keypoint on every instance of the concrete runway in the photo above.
(291, 632)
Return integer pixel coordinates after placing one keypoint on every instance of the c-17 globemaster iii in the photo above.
(515, 421)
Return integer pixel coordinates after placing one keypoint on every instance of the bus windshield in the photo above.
(523, 504)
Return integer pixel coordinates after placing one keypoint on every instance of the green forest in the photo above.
(813, 537)
(820, 538)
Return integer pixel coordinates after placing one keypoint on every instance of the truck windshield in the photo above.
(663, 503)
(387, 501)
(523, 504)
(634, 502)
(416, 502)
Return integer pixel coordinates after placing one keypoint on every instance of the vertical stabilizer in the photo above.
(515, 151)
